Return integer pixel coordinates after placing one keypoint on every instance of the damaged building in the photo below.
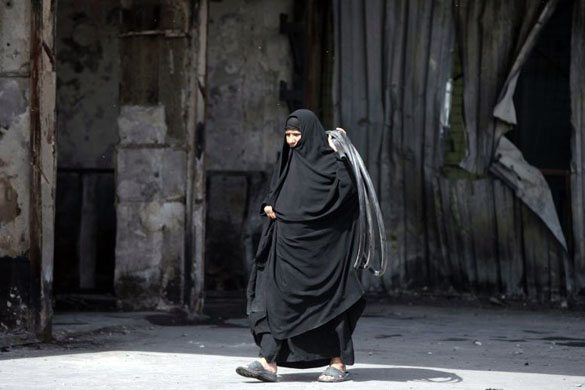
(137, 138)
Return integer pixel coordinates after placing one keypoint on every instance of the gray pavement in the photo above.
(397, 347)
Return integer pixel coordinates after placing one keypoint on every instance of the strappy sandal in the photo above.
(257, 371)
(334, 375)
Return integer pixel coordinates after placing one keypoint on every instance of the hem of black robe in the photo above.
(284, 355)
(348, 303)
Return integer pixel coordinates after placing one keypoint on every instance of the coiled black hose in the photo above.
(369, 228)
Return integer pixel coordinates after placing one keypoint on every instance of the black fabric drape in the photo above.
(303, 276)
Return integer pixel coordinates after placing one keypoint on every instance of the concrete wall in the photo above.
(247, 59)
(27, 166)
(151, 160)
(150, 182)
(14, 163)
(88, 78)
(88, 64)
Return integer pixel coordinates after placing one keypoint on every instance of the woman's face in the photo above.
(293, 137)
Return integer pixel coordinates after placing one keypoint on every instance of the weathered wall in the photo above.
(14, 163)
(27, 165)
(152, 175)
(449, 230)
(88, 79)
(247, 59)
(88, 88)
(150, 181)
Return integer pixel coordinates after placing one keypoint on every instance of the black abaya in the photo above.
(304, 294)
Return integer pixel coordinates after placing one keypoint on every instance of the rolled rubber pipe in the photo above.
(368, 205)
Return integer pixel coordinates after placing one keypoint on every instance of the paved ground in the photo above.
(397, 347)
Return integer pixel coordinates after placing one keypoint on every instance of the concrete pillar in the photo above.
(27, 165)
(150, 188)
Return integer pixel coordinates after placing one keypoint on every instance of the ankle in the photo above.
(271, 366)
(337, 363)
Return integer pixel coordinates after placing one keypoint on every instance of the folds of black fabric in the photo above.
(304, 296)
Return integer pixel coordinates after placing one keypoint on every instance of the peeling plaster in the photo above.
(14, 167)
(9, 209)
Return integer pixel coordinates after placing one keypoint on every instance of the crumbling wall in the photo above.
(88, 65)
(14, 164)
(27, 162)
(151, 161)
(150, 184)
(247, 59)
(88, 95)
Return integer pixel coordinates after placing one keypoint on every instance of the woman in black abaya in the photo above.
(304, 295)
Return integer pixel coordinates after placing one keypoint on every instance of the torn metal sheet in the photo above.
(528, 184)
(505, 109)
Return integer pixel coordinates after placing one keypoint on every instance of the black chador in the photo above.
(304, 295)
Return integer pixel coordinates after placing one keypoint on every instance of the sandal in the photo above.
(257, 371)
(334, 375)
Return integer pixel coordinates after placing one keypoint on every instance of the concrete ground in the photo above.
(397, 347)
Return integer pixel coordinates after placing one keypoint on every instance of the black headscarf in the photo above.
(310, 275)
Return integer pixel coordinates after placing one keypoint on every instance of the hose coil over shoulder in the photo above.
(372, 242)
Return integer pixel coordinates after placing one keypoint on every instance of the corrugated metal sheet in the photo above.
(468, 233)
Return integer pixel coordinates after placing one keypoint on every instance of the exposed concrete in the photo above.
(149, 254)
(14, 37)
(14, 166)
(147, 174)
(150, 243)
(27, 164)
(397, 347)
(247, 59)
(14, 201)
(142, 125)
(88, 64)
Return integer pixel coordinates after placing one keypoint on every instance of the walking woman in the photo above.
(304, 295)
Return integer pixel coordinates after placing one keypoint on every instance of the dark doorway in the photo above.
(543, 105)
(87, 110)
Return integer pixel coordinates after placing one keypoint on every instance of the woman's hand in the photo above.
(330, 139)
(268, 210)
(331, 144)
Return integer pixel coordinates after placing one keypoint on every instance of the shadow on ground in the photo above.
(383, 374)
